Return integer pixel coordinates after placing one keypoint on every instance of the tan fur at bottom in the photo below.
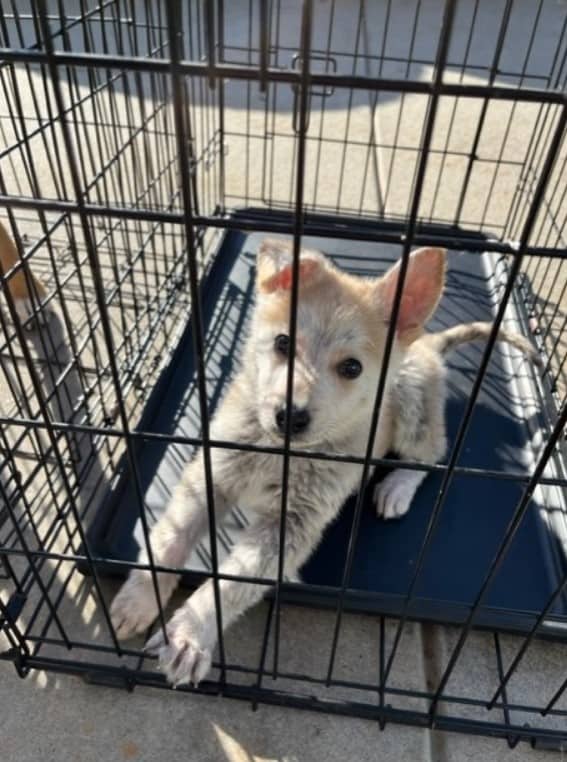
(17, 284)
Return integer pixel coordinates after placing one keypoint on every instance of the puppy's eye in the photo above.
(281, 344)
(349, 368)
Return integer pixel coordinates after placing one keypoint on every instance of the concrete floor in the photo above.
(60, 718)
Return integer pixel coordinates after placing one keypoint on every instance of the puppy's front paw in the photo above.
(134, 608)
(393, 495)
(188, 655)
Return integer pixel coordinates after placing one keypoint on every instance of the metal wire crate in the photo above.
(144, 149)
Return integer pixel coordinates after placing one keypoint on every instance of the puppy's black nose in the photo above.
(300, 419)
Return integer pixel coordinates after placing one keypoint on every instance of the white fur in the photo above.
(393, 495)
(339, 316)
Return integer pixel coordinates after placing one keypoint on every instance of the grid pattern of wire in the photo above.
(129, 131)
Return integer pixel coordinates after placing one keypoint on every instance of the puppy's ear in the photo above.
(423, 286)
(275, 266)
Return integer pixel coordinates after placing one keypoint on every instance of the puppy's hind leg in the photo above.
(394, 494)
(419, 436)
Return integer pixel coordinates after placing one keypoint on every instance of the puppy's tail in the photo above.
(447, 340)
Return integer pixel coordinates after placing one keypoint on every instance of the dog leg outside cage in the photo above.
(135, 607)
(192, 631)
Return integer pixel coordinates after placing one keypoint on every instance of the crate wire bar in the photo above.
(145, 149)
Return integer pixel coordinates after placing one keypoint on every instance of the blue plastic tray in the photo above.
(476, 511)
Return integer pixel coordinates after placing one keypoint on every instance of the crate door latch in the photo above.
(321, 63)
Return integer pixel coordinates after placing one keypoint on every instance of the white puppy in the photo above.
(342, 325)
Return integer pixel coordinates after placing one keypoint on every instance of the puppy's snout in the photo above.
(300, 419)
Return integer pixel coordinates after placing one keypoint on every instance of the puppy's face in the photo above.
(342, 324)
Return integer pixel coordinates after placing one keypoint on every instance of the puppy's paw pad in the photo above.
(393, 496)
(133, 609)
(185, 658)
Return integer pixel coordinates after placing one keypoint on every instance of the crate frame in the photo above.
(198, 227)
